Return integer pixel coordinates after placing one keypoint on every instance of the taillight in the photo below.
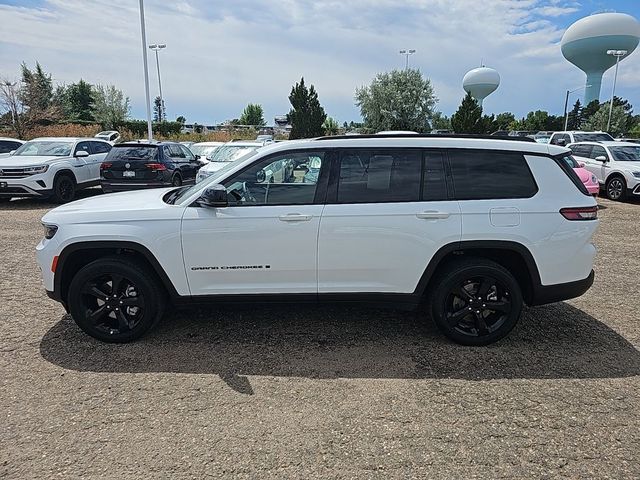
(156, 167)
(54, 264)
(105, 165)
(580, 213)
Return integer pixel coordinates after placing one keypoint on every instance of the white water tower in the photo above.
(481, 82)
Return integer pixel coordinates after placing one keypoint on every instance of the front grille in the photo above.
(14, 190)
(13, 173)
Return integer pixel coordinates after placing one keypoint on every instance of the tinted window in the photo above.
(434, 183)
(282, 179)
(481, 174)
(592, 137)
(86, 146)
(368, 176)
(581, 150)
(100, 147)
(626, 153)
(598, 151)
(187, 153)
(7, 146)
(133, 152)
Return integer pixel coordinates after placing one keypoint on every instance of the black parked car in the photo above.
(136, 165)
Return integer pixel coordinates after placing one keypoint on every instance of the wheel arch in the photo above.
(75, 256)
(65, 171)
(513, 256)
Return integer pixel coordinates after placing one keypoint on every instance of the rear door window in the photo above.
(378, 176)
(434, 180)
(581, 150)
(100, 147)
(485, 174)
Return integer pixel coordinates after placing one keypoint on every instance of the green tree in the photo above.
(111, 106)
(468, 118)
(159, 114)
(181, 120)
(307, 115)
(397, 100)
(331, 126)
(36, 95)
(574, 117)
(502, 121)
(440, 121)
(598, 121)
(78, 101)
(252, 115)
(589, 110)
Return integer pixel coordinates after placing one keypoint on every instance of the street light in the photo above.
(618, 54)
(156, 47)
(406, 53)
(566, 101)
(146, 70)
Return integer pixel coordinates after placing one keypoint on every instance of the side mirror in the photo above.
(562, 142)
(581, 164)
(12, 152)
(601, 158)
(197, 157)
(81, 154)
(261, 176)
(214, 197)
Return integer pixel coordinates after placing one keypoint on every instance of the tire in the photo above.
(99, 309)
(616, 188)
(64, 188)
(5, 199)
(176, 181)
(465, 290)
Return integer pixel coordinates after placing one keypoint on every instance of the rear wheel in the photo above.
(616, 188)
(115, 300)
(176, 181)
(475, 301)
(64, 189)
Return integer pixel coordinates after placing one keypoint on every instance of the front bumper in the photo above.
(37, 185)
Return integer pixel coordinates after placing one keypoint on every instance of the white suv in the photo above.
(616, 165)
(472, 228)
(563, 139)
(52, 167)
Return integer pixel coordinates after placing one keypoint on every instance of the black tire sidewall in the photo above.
(56, 184)
(624, 187)
(176, 180)
(459, 273)
(144, 282)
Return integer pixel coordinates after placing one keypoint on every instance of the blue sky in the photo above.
(223, 54)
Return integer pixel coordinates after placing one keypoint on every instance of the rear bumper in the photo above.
(109, 187)
(543, 294)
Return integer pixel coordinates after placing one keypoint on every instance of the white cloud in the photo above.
(221, 55)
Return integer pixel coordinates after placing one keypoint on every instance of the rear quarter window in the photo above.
(485, 174)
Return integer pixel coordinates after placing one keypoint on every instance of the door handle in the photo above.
(433, 215)
(295, 217)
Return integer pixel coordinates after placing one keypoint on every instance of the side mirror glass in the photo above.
(214, 196)
(601, 158)
(81, 154)
(261, 176)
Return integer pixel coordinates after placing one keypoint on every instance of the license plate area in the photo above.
(128, 174)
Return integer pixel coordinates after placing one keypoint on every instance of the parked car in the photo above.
(229, 152)
(541, 138)
(205, 150)
(521, 133)
(188, 144)
(52, 167)
(441, 131)
(138, 165)
(264, 138)
(500, 133)
(401, 221)
(8, 145)
(110, 136)
(589, 180)
(615, 164)
(565, 138)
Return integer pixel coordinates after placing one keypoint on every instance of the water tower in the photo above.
(586, 42)
(481, 82)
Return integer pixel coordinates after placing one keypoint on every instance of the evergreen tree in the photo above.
(78, 102)
(330, 126)
(252, 115)
(307, 115)
(468, 117)
(588, 111)
(159, 114)
(574, 117)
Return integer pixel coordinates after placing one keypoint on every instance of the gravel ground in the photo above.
(322, 392)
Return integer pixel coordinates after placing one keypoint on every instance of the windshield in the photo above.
(626, 154)
(210, 180)
(229, 153)
(133, 152)
(45, 149)
(203, 150)
(592, 137)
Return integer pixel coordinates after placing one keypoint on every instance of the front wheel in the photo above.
(475, 301)
(616, 188)
(64, 189)
(115, 300)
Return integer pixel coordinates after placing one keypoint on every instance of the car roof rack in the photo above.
(429, 135)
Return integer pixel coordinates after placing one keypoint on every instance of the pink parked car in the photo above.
(589, 179)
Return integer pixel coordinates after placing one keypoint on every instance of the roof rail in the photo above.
(430, 135)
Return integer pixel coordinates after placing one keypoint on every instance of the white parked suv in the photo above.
(470, 228)
(224, 154)
(52, 167)
(563, 139)
(616, 165)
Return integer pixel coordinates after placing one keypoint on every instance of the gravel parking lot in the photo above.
(322, 392)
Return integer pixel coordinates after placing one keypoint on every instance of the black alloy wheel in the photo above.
(115, 300)
(64, 189)
(176, 181)
(616, 188)
(476, 302)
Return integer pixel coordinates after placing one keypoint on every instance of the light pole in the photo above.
(406, 53)
(618, 54)
(566, 101)
(146, 71)
(156, 47)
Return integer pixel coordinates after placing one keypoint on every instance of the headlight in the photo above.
(636, 174)
(49, 230)
(594, 179)
(38, 169)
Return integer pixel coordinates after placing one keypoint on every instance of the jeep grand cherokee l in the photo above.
(470, 228)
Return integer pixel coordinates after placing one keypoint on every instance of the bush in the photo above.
(63, 130)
